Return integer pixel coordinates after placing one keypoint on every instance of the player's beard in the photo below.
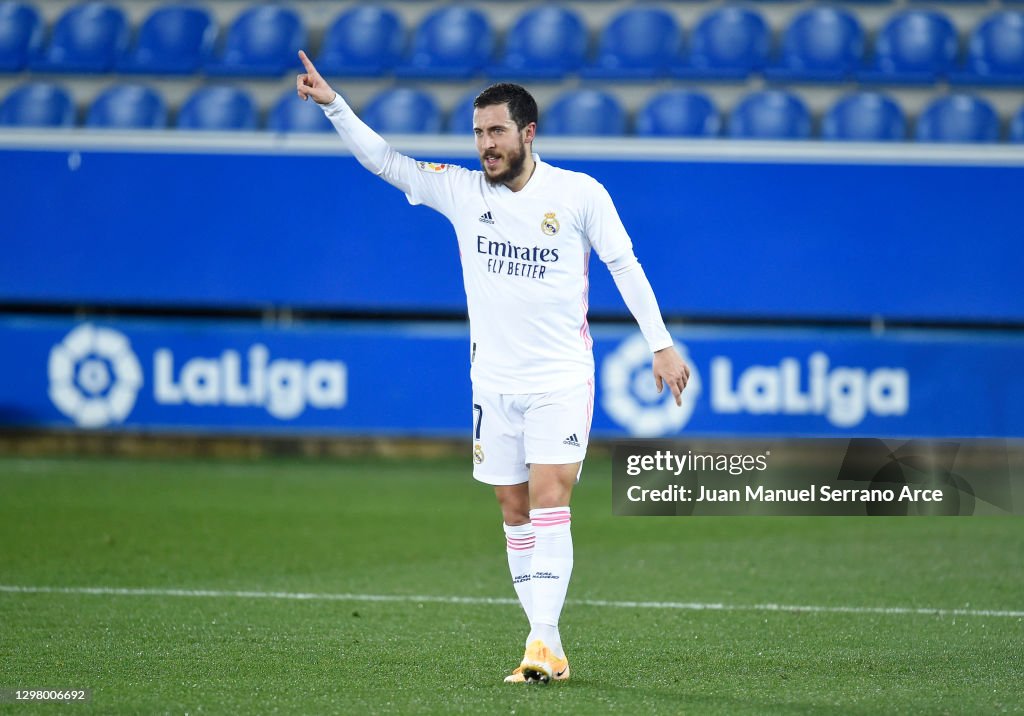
(515, 159)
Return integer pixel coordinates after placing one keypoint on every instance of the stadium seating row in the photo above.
(772, 114)
(823, 43)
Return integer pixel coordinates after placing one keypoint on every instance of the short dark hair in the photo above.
(522, 107)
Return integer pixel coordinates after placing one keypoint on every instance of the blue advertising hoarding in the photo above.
(804, 232)
(412, 379)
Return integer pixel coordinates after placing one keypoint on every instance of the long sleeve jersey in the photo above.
(525, 260)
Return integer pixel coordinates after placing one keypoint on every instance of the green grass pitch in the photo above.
(401, 528)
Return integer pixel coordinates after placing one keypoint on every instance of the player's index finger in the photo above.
(307, 63)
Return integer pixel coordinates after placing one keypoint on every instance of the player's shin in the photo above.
(552, 568)
(519, 542)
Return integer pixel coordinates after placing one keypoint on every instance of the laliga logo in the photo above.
(94, 376)
(284, 387)
(844, 395)
(631, 398)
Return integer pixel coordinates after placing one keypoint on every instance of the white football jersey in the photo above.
(525, 264)
(525, 260)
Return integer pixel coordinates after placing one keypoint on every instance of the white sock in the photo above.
(519, 544)
(552, 568)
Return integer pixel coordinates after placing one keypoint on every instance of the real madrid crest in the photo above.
(550, 224)
(478, 453)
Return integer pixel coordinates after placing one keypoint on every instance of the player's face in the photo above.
(501, 145)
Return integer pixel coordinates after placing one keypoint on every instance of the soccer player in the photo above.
(525, 231)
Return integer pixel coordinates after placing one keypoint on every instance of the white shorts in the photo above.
(513, 431)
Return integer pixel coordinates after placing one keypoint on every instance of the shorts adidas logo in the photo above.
(572, 440)
(487, 218)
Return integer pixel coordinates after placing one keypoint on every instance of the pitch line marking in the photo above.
(413, 598)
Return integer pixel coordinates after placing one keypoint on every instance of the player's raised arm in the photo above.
(366, 145)
(421, 182)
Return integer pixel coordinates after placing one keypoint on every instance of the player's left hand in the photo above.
(670, 369)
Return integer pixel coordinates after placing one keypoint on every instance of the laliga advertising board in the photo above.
(238, 376)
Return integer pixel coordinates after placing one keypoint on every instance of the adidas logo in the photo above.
(487, 218)
(572, 440)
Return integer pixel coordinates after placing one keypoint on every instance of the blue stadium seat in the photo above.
(546, 42)
(460, 119)
(638, 43)
(363, 41)
(821, 44)
(865, 117)
(678, 113)
(128, 107)
(729, 43)
(1017, 126)
(958, 118)
(455, 41)
(291, 114)
(403, 111)
(584, 112)
(915, 46)
(771, 114)
(21, 35)
(264, 41)
(173, 40)
(37, 104)
(87, 38)
(995, 51)
(218, 108)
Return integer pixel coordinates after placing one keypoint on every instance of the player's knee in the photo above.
(551, 485)
(514, 517)
(514, 501)
(550, 496)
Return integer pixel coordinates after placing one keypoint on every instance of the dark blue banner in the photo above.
(718, 239)
(412, 379)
